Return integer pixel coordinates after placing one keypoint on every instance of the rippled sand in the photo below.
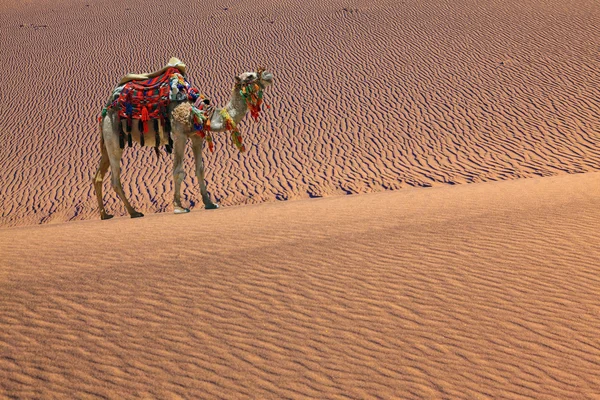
(426, 289)
(369, 96)
(473, 291)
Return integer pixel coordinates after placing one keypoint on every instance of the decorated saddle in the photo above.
(145, 98)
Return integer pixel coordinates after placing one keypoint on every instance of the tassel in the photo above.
(102, 115)
(163, 117)
(209, 140)
(129, 110)
(141, 129)
(169, 139)
(156, 133)
(144, 119)
(129, 139)
(196, 121)
(167, 126)
(159, 126)
(161, 133)
(121, 135)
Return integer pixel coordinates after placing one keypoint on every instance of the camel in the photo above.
(182, 129)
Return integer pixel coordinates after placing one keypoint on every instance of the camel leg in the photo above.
(104, 164)
(114, 155)
(179, 142)
(197, 143)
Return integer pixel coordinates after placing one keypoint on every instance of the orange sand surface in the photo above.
(368, 96)
(487, 290)
(436, 290)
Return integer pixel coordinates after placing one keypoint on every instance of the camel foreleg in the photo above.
(197, 143)
(179, 142)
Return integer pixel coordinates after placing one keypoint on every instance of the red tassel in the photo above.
(145, 119)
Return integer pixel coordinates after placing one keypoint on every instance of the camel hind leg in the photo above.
(99, 178)
(115, 152)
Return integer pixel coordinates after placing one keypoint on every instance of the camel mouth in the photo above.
(267, 77)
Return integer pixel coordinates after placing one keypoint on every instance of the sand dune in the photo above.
(473, 291)
(369, 96)
(437, 290)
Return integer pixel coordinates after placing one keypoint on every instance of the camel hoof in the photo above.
(181, 210)
(137, 215)
(106, 216)
(211, 206)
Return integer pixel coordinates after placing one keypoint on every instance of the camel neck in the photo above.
(236, 107)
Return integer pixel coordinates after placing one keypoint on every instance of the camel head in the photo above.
(249, 87)
(261, 77)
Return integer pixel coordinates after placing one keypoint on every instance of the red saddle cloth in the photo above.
(149, 99)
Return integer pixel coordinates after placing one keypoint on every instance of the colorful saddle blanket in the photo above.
(148, 100)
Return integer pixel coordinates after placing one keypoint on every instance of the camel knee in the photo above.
(114, 181)
(200, 170)
(98, 179)
(179, 175)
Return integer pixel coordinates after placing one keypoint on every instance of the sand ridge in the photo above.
(368, 96)
(473, 291)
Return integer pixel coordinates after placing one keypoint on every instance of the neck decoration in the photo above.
(231, 126)
(201, 123)
(252, 94)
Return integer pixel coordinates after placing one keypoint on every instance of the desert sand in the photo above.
(369, 96)
(473, 291)
(441, 162)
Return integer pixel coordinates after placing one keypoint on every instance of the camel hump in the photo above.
(174, 62)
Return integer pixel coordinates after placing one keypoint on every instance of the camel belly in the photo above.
(149, 136)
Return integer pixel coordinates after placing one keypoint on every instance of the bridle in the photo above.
(252, 92)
